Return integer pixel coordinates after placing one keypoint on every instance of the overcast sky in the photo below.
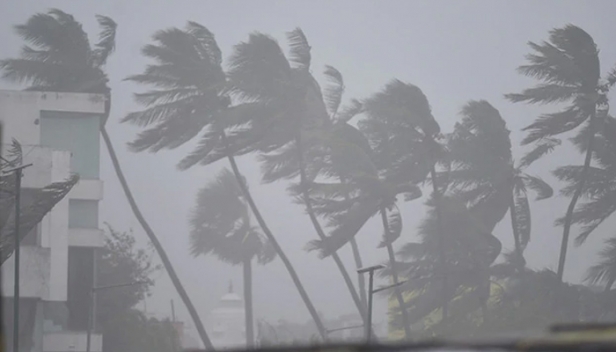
(453, 50)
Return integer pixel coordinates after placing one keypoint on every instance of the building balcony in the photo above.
(68, 341)
(80, 237)
(34, 273)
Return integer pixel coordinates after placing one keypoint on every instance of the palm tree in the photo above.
(259, 71)
(482, 170)
(403, 133)
(569, 71)
(62, 60)
(191, 95)
(480, 183)
(221, 225)
(600, 198)
(33, 212)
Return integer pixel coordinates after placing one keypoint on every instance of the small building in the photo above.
(227, 322)
(59, 135)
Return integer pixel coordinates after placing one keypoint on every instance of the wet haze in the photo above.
(453, 50)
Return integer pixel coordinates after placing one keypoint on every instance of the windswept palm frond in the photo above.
(106, 43)
(31, 213)
(605, 271)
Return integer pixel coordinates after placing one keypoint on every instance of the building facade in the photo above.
(227, 322)
(59, 135)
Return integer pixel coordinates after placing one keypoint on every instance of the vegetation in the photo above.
(347, 164)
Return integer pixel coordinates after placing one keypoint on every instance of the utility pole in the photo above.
(18, 173)
(370, 270)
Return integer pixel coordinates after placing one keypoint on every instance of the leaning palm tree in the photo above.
(600, 198)
(482, 170)
(403, 133)
(61, 59)
(288, 137)
(191, 95)
(220, 224)
(569, 71)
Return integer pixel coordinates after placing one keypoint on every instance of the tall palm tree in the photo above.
(600, 198)
(482, 170)
(61, 59)
(259, 71)
(403, 133)
(220, 224)
(192, 95)
(480, 182)
(567, 65)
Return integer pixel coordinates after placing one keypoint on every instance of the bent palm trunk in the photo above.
(394, 275)
(156, 243)
(321, 233)
(578, 192)
(250, 334)
(516, 235)
(285, 260)
(441, 242)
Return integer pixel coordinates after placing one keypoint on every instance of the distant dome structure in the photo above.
(227, 322)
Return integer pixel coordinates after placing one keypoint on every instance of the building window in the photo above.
(80, 280)
(82, 214)
(33, 238)
(77, 133)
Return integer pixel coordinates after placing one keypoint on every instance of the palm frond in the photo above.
(31, 214)
(334, 90)
(543, 147)
(542, 188)
(354, 108)
(258, 69)
(604, 271)
(299, 49)
(592, 214)
(549, 125)
(523, 218)
(106, 43)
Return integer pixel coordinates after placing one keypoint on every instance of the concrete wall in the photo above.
(20, 111)
(34, 273)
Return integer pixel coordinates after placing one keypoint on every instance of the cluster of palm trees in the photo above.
(349, 163)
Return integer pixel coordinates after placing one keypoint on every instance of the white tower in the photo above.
(227, 322)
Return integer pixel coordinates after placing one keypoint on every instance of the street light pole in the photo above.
(370, 270)
(18, 173)
(91, 306)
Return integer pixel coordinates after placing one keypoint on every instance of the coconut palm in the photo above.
(481, 183)
(61, 59)
(291, 135)
(482, 171)
(220, 224)
(567, 65)
(599, 193)
(191, 95)
(403, 134)
(32, 212)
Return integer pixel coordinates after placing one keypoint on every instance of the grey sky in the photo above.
(453, 50)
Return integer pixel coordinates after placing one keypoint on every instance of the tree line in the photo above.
(348, 163)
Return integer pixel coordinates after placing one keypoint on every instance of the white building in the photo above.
(59, 134)
(227, 322)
